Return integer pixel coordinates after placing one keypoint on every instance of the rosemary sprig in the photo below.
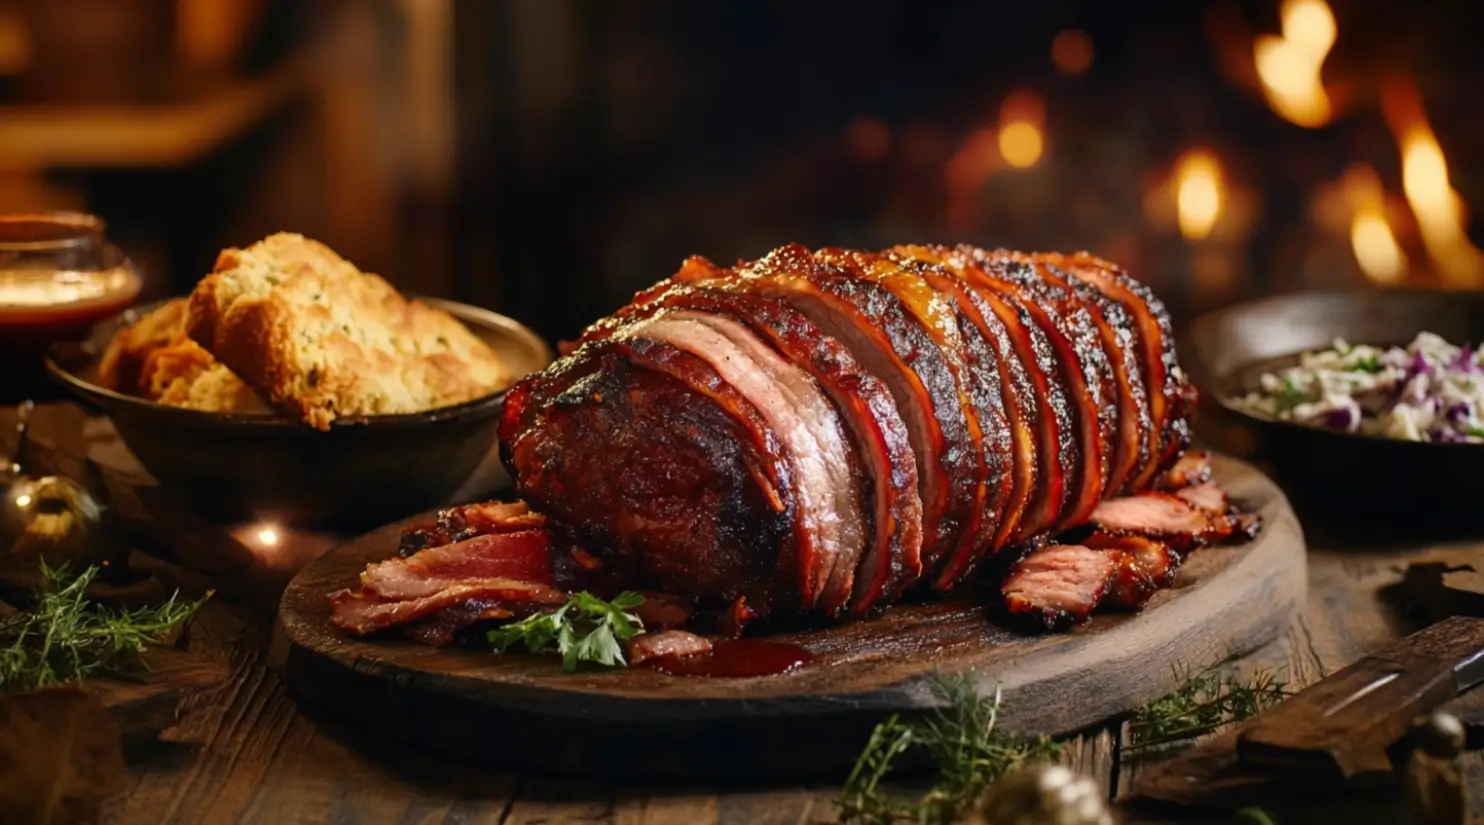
(68, 638)
(960, 741)
(1203, 703)
(585, 629)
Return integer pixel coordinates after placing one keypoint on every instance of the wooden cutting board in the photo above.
(523, 710)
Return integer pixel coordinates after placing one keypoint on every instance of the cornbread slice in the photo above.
(123, 360)
(321, 340)
(185, 375)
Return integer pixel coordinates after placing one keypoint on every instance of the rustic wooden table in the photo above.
(247, 754)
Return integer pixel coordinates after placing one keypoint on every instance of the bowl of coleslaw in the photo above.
(1372, 400)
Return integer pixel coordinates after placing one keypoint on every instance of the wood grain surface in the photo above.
(1228, 601)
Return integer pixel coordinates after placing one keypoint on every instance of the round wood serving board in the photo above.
(522, 710)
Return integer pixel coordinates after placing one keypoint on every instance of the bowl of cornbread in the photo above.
(291, 385)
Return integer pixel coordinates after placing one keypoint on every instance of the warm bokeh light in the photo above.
(1289, 65)
(1198, 193)
(23, 500)
(1438, 208)
(868, 138)
(1022, 119)
(1071, 52)
(268, 536)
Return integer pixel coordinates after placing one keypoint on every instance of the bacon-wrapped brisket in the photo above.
(819, 432)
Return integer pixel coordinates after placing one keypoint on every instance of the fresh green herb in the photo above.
(67, 638)
(1203, 702)
(1477, 432)
(1258, 816)
(1290, 395)
(585, 629)
(1371, 364)
(960, 741)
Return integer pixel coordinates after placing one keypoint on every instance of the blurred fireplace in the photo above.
(599, 144)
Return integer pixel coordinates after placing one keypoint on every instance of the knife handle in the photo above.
(1343, 725)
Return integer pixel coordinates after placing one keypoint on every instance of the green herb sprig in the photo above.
(1203, 703)
(959, 740)
(585, 629)
(68, 638)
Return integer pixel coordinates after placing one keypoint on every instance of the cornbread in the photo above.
(185, 375)
(321, 340)
(153, 358)
(123, 360)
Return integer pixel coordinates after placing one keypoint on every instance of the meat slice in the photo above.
(891, 507)
(467, 521)
(1164, 517)
(886, 338)
(1059, 585)
(361, 612)
(1084, 372)
(826, 480)
(1130, 450)
(1194, 467)
(440, 628)
(1035, 392)
(1206, 497)
(972, 362)
(1002, 394)
(652, 461)
(666, 643)
(520, 556)
(1171, 397)
(1144, 567)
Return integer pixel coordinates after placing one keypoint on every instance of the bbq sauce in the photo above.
(735, 659)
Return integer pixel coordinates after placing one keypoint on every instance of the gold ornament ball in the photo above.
(1043, 795)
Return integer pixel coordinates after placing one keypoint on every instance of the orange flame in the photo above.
(1375, 246)
(1289, 65)
(1439, 209)
(1199, 193)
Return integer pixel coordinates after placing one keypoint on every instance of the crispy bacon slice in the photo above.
(523, 556)
(362, 612)
(439, 628)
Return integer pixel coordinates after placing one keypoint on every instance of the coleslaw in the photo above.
(1429, 390)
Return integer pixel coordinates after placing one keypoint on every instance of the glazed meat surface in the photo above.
(823, 431)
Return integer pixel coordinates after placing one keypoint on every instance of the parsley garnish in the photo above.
(68, 638)
(1371, 364)
(1290, 395)
(585, 629)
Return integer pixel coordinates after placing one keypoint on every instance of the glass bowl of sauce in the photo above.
(58, 277)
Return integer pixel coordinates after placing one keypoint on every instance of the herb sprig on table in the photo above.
(585, 629)
(968, 754)
(1203, 703)
(961, 742)
(67, 637)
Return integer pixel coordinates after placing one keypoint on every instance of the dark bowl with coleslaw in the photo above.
(1368, 403)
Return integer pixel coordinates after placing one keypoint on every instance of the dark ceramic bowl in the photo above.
(360, 472)
(1348, 474)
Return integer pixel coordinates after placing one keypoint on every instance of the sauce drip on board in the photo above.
(735, 659)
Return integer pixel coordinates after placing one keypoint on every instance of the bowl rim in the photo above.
(1204, 375)
(473, 408)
